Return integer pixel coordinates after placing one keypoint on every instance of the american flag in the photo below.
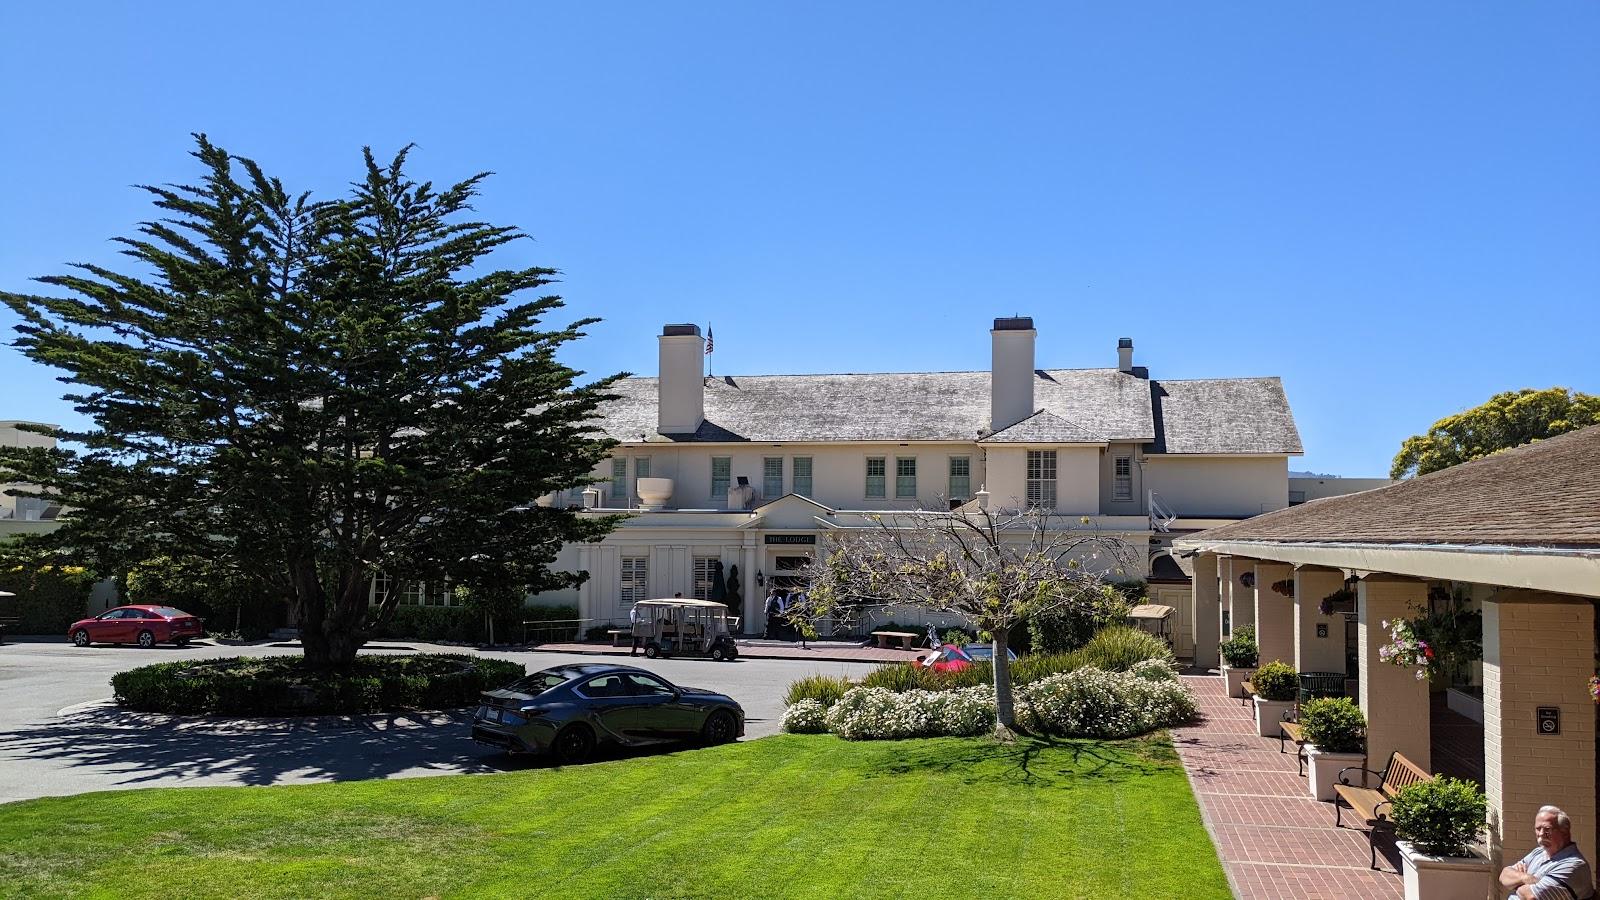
(709, 340)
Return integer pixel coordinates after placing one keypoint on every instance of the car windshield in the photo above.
(539, 682)
(973, 651)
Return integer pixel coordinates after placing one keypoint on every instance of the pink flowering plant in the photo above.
(1405, 648)
(1594, 688)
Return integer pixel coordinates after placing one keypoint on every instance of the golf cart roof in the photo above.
(1149, 611)
(682, 601)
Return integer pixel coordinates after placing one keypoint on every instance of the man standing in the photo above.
(638, 633)
(772, 614)
(1554, 868)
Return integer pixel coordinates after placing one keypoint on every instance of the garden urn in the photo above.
(1443, 877)
(1235, 679)
(1323, 769)
(1269, 715)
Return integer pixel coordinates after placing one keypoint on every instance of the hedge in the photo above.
(283, 685)
(48, 599)
(463, 625)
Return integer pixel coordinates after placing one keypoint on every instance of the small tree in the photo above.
(996, 570)
(1506, 420)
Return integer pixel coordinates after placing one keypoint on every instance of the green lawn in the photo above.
(802, 816)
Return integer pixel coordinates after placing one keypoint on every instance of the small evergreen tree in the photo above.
(314, 392)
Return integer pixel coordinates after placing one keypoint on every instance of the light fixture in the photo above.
(761, 580)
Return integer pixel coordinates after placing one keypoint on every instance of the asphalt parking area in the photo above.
(60, 735)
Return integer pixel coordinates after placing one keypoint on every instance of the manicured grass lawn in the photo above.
(801, 816)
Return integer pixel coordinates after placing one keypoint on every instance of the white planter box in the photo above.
(1465, 704)
(1269, 715)
(1235, 679)
(1443, 877)
(1323, 770)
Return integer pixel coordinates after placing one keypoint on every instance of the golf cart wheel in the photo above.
(147, 639)
(573, 744)
(652, 650)
(719, 728)
(718, 653)
(80, 638)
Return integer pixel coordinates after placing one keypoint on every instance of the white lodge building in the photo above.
(749, 470)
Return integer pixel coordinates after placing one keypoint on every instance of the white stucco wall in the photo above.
(1217, 486)
(1306, 489)
(1077, 478)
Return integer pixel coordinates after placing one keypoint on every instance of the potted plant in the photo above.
(1434, 820)
(1239, 656)
(1277, 685)
(1335, 733)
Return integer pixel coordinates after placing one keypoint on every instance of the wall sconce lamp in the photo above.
(761, 580)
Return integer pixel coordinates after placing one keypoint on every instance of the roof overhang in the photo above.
(1570, 570)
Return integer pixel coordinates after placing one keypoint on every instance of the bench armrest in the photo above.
(1358, 769)
(1377, 814)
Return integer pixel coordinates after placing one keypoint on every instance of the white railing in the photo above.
(1161, 518)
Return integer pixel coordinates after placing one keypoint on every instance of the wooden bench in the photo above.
(904, 637)
(617, 635)
(1371, 805)
(1290, 731)
(1247, 693)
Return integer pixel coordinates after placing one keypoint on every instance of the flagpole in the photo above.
(710, 345)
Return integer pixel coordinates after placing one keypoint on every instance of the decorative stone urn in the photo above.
(1443, 877)
(1323, 770)
(1269, 714)
(653, 492)
(1235, 679)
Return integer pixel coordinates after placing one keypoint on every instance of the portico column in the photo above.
(1538, 651)
(1274, 614)
(1241, 600)
(1314, 652)
(586, 590)
(754, 603)
(1394, 700)
(1205, 615)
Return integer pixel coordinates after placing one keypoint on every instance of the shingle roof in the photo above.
(1541, 494)
(1043, 427)
(1101, 404)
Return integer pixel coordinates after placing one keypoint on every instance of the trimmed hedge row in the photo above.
(465, 625)
(49, 599)
(283, 685)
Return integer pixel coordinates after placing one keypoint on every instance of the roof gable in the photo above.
(1043, 427)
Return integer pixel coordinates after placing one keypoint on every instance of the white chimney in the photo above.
(1125, 354)
(681, 387)
(1011, 372)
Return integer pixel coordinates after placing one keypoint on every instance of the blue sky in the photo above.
(1395, 207)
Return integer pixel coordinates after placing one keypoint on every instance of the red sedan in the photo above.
(142, 625)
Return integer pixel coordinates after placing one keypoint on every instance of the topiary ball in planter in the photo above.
(1276, 681)
(1335, 734)
(1440, 816)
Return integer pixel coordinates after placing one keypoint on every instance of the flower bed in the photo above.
(282, 685)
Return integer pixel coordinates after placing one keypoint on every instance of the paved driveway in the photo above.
(59, 736)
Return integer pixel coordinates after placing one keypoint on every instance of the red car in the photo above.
(951, 658)
(142, 625)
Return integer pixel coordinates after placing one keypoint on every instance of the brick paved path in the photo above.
(1274, 839)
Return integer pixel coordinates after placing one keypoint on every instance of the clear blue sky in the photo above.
(1395, 207)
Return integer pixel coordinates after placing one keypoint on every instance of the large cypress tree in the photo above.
(314, 392)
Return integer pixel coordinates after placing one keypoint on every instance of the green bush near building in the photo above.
(456, 624)
(49, 598)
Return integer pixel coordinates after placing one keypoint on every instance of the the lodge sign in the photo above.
(791, 539)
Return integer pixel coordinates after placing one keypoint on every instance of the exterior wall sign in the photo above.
(1549, 720)
(791, 539)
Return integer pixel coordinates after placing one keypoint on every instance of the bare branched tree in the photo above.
(994, 569)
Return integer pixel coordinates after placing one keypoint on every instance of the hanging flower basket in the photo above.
(1248, 579)
(1341, 601)
(1594, 688)
(1405, 649)
(1284, 587)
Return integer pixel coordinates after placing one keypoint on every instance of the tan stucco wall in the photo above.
(1318, 488)
(1204, 486)
(1077, 478)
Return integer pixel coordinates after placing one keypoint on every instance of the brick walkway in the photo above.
(1275, 841)
(818, 652)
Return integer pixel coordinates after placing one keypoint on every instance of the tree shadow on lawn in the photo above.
(1029, 762)
(109, 748)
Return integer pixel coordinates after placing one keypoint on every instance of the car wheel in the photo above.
(652, 650)
(573, 744)
(147, 639)
(81, 638)
(719, 728)
(719, 654)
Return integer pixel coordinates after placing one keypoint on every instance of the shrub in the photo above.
(1155, 670)
(1089, 702)
(598, 632)
(1333, 725)
(1118, 647)
(957, 636)
(468, 626)
(804, 717)
(1276, 681)
(1440, 816)
(1069, 628)
(1035, 666)
(866, 713)
(49, 598)
(894, 677)
(1239, 651)
(278, 685)
(824, 689)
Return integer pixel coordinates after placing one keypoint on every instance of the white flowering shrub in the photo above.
(804, 717)
(1090, 703)
(882, 714)
(1155, 670)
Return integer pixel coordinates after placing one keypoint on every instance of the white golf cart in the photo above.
(679, 627)
(1153, 618)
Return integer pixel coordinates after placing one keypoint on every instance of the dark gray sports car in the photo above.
(570, 710)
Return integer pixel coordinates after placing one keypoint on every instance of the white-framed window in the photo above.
(705, 570)
(1122, 478)
(381, 585)
(721, 475)
(1042, 478)
(414, 594)
(619, 481)
(772, 477)
(960, 478)
(802, 475)
(905, 476)
(876, 467)
(419, 593)
(633, 581)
